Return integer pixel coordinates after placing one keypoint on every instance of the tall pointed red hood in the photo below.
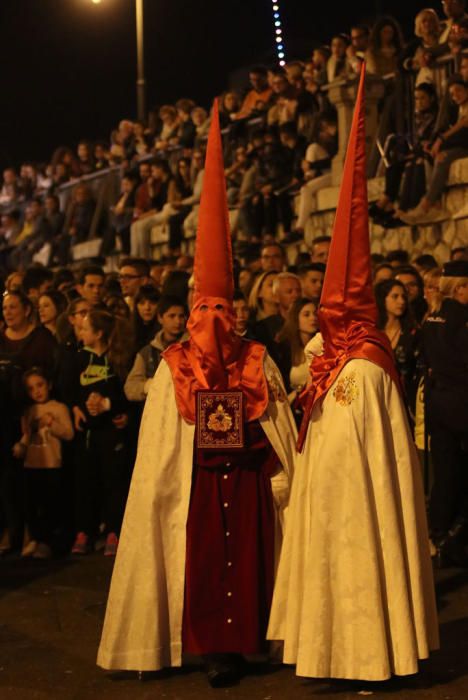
(215, 358)
(348, 311)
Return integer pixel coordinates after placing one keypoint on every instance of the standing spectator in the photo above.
(22, 346)
(355, 52)
(145, 315)
(36, 231)
(85, 158)
(454, 10)
(169, 125)
(338, 65)
(311, 278)
(394, 318)
(172, 316)
(320, 249)
(100, 417)
(419, 54)
(44, 425)
(50, 305)
(9, 190)
(445, 334)
(262, 300)
(385, 47)
(133, 274)
(272, 257)
(410, 277)
(121, 216)
(91, 284)
(186, 132)
(299, 328)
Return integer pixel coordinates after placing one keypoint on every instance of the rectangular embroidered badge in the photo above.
(220, 423)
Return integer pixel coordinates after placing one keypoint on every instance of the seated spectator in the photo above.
(405, 174)
(54, 216)
(101, 156)
(260, 93)
(10, 229)
(283, 100)
(385, 47)
(311, 277)
(85, 158)
(143, 195)
(145, 315)
(454, 10)
(121, 216)
(168, 130)
(201, 122)
(160, 188)
(27, 182)
(140, 139)
(229, 105)
(316, 169)
(9, 190)
(50, 306)
(187, 206)
(35, 232)
(78, 223)
(449, 146)
(185, 134)
(172, 317)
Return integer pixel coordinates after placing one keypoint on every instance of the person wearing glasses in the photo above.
(133, 274)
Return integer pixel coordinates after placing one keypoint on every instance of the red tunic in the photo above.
(230, 548)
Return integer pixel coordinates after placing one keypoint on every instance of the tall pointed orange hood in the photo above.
(348, 311)
(213, 257)
(215, 358)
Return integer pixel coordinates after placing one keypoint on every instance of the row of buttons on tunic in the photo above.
(226, 505)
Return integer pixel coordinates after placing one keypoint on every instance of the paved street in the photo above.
(50, 620)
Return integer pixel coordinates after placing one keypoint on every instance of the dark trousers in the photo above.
(101, 479)
(449, 441)
(43, 500)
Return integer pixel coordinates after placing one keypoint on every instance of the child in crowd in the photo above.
(100, 417)
(44, 424)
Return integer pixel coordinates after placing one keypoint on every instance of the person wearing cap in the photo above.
(196, 559)
(354, 595)
(445, 343)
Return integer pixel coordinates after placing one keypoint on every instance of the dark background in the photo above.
(68, 67)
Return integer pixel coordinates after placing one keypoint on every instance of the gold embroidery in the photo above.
(346, 390)
(220, 420)
(275, 389)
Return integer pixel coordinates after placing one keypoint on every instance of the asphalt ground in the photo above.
(50, 621)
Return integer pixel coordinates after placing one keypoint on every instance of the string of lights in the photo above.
(278, 33)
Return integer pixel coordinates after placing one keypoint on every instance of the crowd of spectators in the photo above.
(79, 346)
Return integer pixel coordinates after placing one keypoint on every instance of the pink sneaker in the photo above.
(81, 544)
(112, 541)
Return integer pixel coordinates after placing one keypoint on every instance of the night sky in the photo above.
(69, 66)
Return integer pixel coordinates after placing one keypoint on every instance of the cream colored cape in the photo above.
(354, 594)
(143, 622)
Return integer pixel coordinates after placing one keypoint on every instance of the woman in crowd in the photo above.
(145, 315)
(100, 419)
(420, 53)
(23, 345)
(395, 320)
(299, 328)
(50, 305)
(262, 299)
(385, 47)
(432, 296)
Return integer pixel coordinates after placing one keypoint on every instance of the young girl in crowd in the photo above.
(100, 417)
(299, 328)
(44, 425)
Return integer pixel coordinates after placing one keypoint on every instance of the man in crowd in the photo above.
(272, 258)
(320, 249)
(133, 273)
(91, 284)
(311, 277)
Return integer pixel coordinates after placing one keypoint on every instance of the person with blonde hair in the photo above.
(445, 335)
(262, 300)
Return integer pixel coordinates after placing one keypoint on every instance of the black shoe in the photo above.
(222, 670)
